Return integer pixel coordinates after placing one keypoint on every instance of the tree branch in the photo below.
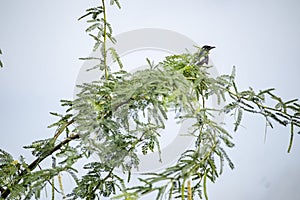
(36, 162)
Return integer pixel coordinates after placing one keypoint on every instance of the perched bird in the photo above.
(203, 55)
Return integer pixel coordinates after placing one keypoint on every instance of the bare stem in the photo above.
(104, 40)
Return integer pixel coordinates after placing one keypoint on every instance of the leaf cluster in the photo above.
(101, 31)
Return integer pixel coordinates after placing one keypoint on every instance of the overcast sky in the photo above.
(42, 41)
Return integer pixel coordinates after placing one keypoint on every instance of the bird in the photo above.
(203, 55)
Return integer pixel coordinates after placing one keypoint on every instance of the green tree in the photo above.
(101, 114)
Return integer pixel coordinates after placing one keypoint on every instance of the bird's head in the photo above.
(207, 47)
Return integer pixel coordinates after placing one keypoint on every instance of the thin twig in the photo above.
(36, 162)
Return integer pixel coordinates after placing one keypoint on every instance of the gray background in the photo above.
(41, 41)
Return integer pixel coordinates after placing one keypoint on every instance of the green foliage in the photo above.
(21, 181)
(100, 30)
(124, 112)
(93, 185)
(105, 109)
(112, 2)
(1, 64)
